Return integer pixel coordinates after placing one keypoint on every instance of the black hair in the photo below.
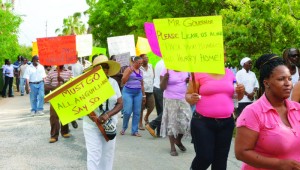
(266, 64)
(142, 55)
(94, 56)
(112, 57)
(6, 61)
(135, 58)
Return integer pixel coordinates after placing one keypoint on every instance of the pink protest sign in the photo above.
(152, 38)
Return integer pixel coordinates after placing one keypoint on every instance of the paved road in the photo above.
(24, 145)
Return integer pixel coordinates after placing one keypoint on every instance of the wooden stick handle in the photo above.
(93, 116)
(194, 83)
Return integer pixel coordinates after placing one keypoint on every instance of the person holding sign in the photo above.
(268, 130)
(100, 154)
(133, 95)
(212, 122)
(54, 79)
(176, 111)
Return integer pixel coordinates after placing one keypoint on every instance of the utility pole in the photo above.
(46, 28)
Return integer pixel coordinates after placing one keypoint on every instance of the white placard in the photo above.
(121, 44)
(84, 45)
(123, 59)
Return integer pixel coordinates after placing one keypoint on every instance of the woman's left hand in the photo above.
(144, 100)
(103, 118)
(240, 89)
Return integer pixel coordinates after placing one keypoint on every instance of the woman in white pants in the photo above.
(100, 154)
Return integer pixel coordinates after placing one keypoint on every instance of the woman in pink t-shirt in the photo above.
(176, 111)
(212, 122)
(268, 131)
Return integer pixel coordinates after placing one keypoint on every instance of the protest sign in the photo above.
(84, 45)
(153, 59)
(193, 44)
(121, 44)
(80, 96)
(57, 50)
(142, 46)
(152, 38)
(34, 49)
(123, 59)
(97, 50)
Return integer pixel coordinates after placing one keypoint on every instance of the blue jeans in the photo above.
(37, 94)
(22, 85)
(132, 102)
(212, 139)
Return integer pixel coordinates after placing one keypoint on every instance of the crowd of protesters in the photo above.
(199, 105)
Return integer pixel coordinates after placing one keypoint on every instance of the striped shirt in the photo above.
(51, 78)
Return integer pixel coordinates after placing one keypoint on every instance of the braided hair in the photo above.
(266, 64)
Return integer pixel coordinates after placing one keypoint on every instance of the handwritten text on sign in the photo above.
(83, 97)
(192, 44)
(57, 50)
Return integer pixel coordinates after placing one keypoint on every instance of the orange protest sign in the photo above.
(57, 50)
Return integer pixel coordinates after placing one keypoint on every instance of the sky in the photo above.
(36, 13)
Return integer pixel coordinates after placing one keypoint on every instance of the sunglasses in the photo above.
(294, 55)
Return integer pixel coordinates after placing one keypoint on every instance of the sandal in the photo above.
(181, 147)
(174, 153)
(122, 132)
(141, 128)
(136, 134)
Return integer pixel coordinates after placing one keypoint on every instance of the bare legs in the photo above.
(176, 141)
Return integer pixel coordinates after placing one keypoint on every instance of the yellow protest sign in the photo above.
(193, 44)
(35, 50)
(142, 46)
(81, 95)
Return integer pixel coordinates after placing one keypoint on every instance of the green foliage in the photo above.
(25, 51)
(9, 24)
(250, 27)
(72, 25)
(253, 28)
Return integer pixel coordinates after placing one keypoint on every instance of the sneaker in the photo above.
(40, 113)
(74, 124)
(52, 140)
(32, 113)
(67, 135)
(150, 130)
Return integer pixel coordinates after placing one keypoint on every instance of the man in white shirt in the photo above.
(158, 96)
(148, 78)
(35, 75)
(77, 68)
(249, 80)
(21, 70)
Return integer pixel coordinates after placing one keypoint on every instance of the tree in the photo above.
(250, 27)
(72, 26)
(9, 25)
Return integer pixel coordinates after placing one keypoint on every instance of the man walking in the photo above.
(158, 96)
(54, 79)
(34, 75)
